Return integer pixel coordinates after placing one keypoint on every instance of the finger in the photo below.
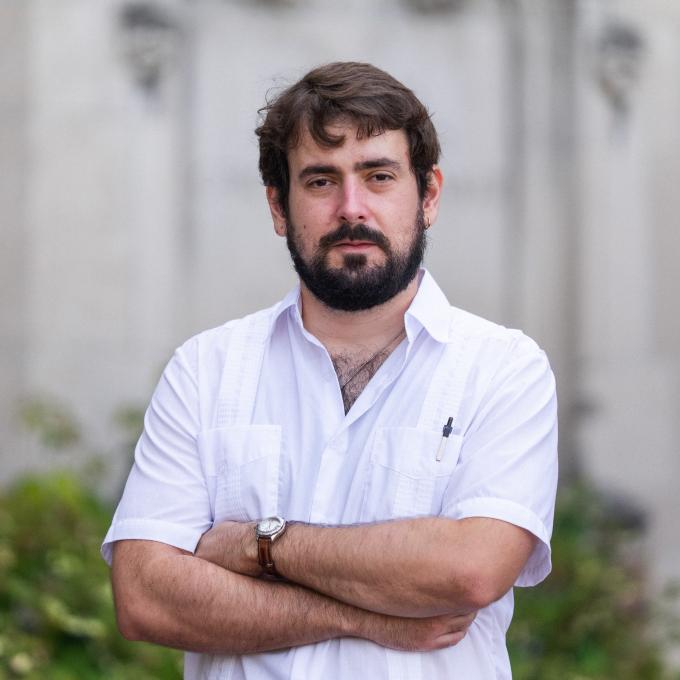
(462, 620)
(448, 639)
(469, 618)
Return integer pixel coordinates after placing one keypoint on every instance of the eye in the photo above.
(381, 177)
(319, 183)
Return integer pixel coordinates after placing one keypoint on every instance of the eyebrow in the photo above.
(370, 164)
(378, 163)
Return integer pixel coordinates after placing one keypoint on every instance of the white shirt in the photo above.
(302, 458)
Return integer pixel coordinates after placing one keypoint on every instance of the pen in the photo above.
(445, 435)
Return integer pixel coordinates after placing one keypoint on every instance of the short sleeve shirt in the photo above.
(303, 458)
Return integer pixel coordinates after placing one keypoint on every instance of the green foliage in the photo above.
(56, 611)
(590, 620)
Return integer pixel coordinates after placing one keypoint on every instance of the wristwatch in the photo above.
(267, 531)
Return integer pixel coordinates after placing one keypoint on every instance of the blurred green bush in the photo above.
(56, 611)
(591, 619)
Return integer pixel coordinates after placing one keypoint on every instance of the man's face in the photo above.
(355, 226)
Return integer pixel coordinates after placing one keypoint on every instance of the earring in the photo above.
(427, 225)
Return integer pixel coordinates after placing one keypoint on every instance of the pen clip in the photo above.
(446, 431)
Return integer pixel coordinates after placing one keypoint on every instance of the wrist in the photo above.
(282, 555)
(268, 531)
(358, 623)
(249, 549)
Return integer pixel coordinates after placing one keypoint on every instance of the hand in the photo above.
(420, 635)
(232, 546)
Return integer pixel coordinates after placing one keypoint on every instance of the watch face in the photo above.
(269, 526)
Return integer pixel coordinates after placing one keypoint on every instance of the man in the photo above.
(349, 484)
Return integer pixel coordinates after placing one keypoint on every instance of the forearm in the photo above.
(178, 600)
(172, 598)
(417, 567)
(405, 568)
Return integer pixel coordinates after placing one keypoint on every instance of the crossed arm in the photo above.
(408, 584)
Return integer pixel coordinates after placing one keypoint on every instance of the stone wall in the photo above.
(133, 216)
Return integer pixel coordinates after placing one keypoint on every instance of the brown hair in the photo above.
(369, 97)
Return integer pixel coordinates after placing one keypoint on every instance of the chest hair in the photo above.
(353, 376)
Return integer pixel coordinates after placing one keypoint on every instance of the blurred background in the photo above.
(132, 216)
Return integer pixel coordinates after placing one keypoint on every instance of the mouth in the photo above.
(354, 246)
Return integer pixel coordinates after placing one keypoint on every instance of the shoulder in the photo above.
(209, 348)
(491, 336)
(496, 355)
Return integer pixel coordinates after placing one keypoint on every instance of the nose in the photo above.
(352, 205)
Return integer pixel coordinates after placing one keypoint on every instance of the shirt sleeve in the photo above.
(508, 464)
(165, 497)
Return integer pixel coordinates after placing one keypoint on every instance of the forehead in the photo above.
(392, 144)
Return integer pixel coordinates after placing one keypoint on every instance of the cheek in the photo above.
(403, 231)
(305, 240)
(310, 226)
(317, 211)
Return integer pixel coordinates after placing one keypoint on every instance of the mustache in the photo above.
(358, 232)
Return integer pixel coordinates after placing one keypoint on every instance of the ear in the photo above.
(277, 211)
(432, 195)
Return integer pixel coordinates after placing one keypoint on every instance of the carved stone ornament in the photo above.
(435, 6)
(619, 57)
(149, 35)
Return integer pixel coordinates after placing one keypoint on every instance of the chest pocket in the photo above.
(242, 466)
(404, 477)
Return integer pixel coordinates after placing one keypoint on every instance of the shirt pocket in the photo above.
(404, 478)
(242, 466)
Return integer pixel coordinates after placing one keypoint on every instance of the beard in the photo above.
(358, 285)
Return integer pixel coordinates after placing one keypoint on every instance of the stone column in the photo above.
(13, 238)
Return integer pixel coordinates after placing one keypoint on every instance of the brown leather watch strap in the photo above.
(264, 555)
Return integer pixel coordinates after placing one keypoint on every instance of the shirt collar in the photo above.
(289, 308)
(429, 309)
(292, 299)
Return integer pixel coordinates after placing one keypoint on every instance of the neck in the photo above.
(338, 330)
